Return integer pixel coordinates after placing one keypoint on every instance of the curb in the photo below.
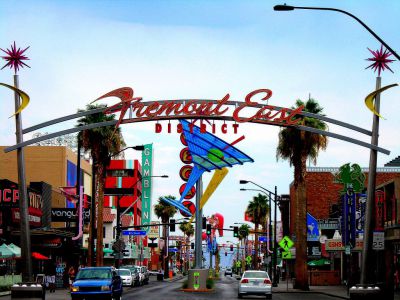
(5, 293)
(198, 291)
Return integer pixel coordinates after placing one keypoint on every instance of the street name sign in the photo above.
(134, 232)
(173, 250)
(286, 243)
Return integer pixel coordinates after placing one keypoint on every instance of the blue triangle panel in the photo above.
(200, 145)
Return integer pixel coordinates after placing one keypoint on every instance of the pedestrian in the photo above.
(71, 275)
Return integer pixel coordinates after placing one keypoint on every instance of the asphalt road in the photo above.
(226, 288)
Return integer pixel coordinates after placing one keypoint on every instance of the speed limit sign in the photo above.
(378, 241)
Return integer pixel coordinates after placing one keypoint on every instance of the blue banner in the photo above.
(312, 229)
(348, 224)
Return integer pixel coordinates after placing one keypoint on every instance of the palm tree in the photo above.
(165, 211)
(297, 146)
(188, 230)
(100, 142)
(244, 231)
(258, 210)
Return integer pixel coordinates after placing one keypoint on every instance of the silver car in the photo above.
(255, 283)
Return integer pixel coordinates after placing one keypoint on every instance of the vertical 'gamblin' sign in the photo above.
(147, 169)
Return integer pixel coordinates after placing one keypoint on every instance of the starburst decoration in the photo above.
(15, 58)
(380, 60)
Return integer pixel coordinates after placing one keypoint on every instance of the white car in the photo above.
(255, 283)
(126, 277)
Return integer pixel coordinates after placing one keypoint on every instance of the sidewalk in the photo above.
(337, 291)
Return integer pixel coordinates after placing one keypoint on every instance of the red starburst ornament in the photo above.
(15, 58)
(380, 60)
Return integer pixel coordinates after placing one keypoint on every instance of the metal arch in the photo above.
(177, 117)
(233, 103)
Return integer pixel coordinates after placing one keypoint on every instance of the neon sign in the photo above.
(202, 109)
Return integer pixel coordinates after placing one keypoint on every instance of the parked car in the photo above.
(135, 274)
(126, 276)
(146, 274)
(255, 283)
(95, 283)
(141, 275)
(228, 271)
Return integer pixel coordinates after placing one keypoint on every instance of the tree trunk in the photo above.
(301, 225)
(100, 205)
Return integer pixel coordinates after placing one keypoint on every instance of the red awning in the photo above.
(37, 255)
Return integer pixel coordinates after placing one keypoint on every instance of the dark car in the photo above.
(135, 274)
(145, 274)
(97, 283)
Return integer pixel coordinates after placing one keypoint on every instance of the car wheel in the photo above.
(240, 296)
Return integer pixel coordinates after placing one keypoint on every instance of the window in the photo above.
(104, 232)
(107, 245)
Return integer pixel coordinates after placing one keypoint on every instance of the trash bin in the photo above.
(160, 276)
(28, 290)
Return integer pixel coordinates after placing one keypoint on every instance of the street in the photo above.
(226, 288)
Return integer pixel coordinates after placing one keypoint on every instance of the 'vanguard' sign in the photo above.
(68, 215)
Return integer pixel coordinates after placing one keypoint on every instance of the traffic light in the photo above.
(204, 223)
(231, 247)
(172, 225)
(208, 230)
(235, 231)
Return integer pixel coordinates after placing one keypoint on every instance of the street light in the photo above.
(275, 281)
(269, 217)
(373, 153)
(290, 8)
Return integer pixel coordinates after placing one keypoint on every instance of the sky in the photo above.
(80, 50)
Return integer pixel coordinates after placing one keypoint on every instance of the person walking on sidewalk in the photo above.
(71, 275)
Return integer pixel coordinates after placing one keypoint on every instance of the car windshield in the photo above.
(124, 272)
(93, 274)
(250, 274)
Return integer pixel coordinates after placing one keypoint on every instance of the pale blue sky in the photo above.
(205, 49)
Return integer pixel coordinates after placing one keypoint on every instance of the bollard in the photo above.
(28, 290)
(364, 292)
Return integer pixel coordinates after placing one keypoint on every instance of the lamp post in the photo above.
(290, 8)
(367, 247)
(275, 281)
(269, 220)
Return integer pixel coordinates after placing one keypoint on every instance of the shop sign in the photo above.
(333, 224)
(337, 245)
(379, 208)
(68, 215)
(34, 217)
(147, 170)
(154, 231)
(349, 217)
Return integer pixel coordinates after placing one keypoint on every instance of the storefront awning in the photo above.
(47, 232)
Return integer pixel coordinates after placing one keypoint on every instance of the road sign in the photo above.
(173, 250)
(286, 255)
(134, 232)
(286, 243)
(248, 259)
(378, 240)
(262, 238)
